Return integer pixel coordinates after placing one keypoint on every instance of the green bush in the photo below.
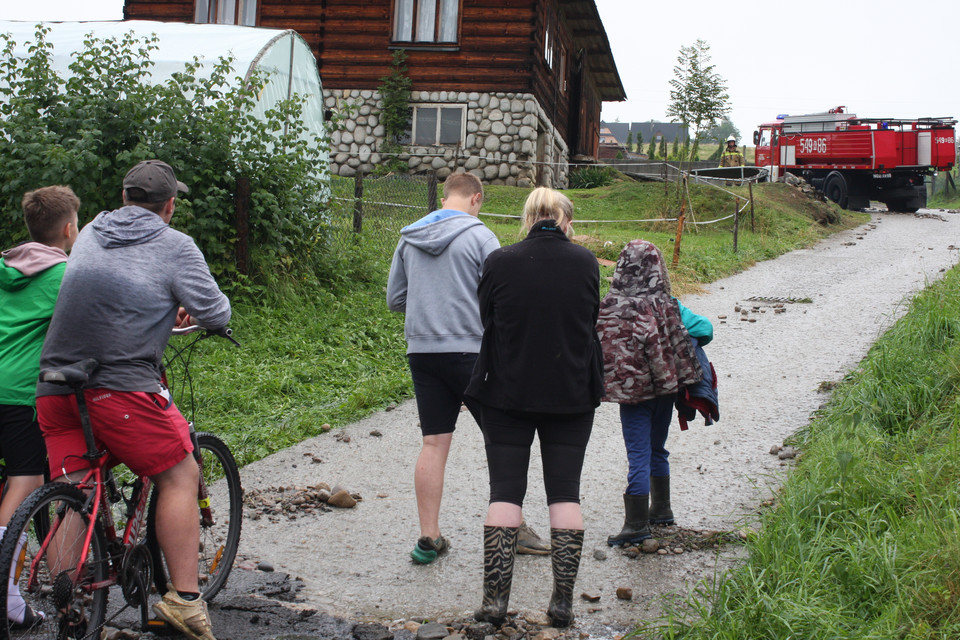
(592, 177)
(87, 130)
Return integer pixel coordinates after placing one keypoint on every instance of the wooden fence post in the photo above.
(750, 187)
(676, 242)
(431, 191)
(736, 222)
(358, 202)
(241, 202)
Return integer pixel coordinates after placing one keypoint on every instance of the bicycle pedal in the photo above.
(161, 627)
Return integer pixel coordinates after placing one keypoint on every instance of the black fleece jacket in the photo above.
(538, 303)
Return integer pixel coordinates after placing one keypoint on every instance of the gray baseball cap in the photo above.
(155, 181)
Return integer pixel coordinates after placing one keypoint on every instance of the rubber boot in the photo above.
(636, 525)
(499, 551)
(566, 546)
(660, 512)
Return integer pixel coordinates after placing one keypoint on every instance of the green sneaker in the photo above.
(427, 550)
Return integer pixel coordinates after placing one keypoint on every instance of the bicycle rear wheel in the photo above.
(73, 608)
(220, 532)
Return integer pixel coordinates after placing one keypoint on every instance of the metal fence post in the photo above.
(358, 202)
(431, 191)
(241, 202)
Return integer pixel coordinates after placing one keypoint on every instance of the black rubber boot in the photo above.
(499, 549)
(566, 546)
(660, 512)
(636, 525)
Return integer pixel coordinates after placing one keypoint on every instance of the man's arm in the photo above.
(397, 284)
(197, 291)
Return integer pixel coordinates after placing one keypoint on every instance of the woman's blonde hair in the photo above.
(544, 203)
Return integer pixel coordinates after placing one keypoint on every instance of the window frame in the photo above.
(213, 8)
(412, 42)
(439, 106)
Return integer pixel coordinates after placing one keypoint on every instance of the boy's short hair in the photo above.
(47, 209)
(463, 184)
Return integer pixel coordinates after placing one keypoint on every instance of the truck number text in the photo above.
(944, 140)
(813, 145)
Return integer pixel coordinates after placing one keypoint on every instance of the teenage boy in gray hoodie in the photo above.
(433, 280)
(130, 279)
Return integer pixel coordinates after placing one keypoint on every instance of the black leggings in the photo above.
(508, 436)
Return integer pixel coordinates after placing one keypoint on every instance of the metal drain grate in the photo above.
(774, 300)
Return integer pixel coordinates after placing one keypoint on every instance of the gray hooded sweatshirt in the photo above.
(433, 279)
(127, 275)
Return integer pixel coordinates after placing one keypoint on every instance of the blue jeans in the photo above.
(645, 428)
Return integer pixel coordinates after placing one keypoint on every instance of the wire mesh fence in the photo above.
(377, 208)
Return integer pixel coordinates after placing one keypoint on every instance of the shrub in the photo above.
(592, 177)
(89, 129)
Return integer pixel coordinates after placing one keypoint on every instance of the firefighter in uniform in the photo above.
(731, 157)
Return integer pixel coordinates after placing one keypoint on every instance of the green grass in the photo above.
(864, 537)
(331, 354)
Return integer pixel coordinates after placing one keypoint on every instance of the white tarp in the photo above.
(283, 54)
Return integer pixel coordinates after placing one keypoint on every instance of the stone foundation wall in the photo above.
(503, 134)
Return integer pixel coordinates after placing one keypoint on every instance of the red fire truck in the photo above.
(854, 160)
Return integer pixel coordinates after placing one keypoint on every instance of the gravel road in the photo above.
(355, 562)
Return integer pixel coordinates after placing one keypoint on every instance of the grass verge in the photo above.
(315, 355)
(863, 540)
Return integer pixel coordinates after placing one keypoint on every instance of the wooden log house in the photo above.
(510, 90)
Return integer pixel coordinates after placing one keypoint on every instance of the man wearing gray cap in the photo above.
(129, 280)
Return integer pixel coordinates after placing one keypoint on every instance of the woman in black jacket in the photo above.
(539, 371)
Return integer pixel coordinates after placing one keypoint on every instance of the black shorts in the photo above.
(439, 381)
(21, 443)
(508, 436)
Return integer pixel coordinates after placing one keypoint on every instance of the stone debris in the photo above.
(674, 540)
(775, 449)
(292, 502)
(590, 597)
(624, 593)
(787, 453)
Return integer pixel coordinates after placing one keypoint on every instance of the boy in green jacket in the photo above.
(30, 275)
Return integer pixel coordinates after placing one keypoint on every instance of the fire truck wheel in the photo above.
(835, 188)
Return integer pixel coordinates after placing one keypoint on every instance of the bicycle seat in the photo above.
(75, 375)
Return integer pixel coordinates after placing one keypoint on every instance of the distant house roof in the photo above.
(589, 35)
(649, 129)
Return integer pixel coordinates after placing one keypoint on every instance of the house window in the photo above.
(548, 47)
(242, 12)
(426, 21)
(436, 124)
(563, 68)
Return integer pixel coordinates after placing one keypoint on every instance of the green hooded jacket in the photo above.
(30, 276)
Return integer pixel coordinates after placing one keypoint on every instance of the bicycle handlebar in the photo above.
(223, 332)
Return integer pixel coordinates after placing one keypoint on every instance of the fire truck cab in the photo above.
(855, 160)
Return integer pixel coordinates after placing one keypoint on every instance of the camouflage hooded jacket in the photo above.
(646, 349)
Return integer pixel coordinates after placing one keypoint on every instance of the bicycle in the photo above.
(62, 518)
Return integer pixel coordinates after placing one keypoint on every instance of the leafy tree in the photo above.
(698, 96)
(629, 140)
(87, 130)
(652, 149)
(675, 149)
(639, 141)
(723, 131)
(395, 112)
(663, 148)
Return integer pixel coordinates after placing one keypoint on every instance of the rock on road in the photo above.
(355, 562)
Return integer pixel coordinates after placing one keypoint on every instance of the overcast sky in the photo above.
(879, 58)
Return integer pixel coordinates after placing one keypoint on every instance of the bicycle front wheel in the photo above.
(73, 607)
(220, 519)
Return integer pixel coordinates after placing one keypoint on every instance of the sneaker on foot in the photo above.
(189, 617)
(530, 543)
(428, 549)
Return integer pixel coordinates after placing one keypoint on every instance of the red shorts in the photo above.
(144, 431)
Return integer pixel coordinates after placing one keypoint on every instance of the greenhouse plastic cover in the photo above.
(283, 54)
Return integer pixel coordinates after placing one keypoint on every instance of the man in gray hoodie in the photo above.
(433, 280)
(129, 280)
